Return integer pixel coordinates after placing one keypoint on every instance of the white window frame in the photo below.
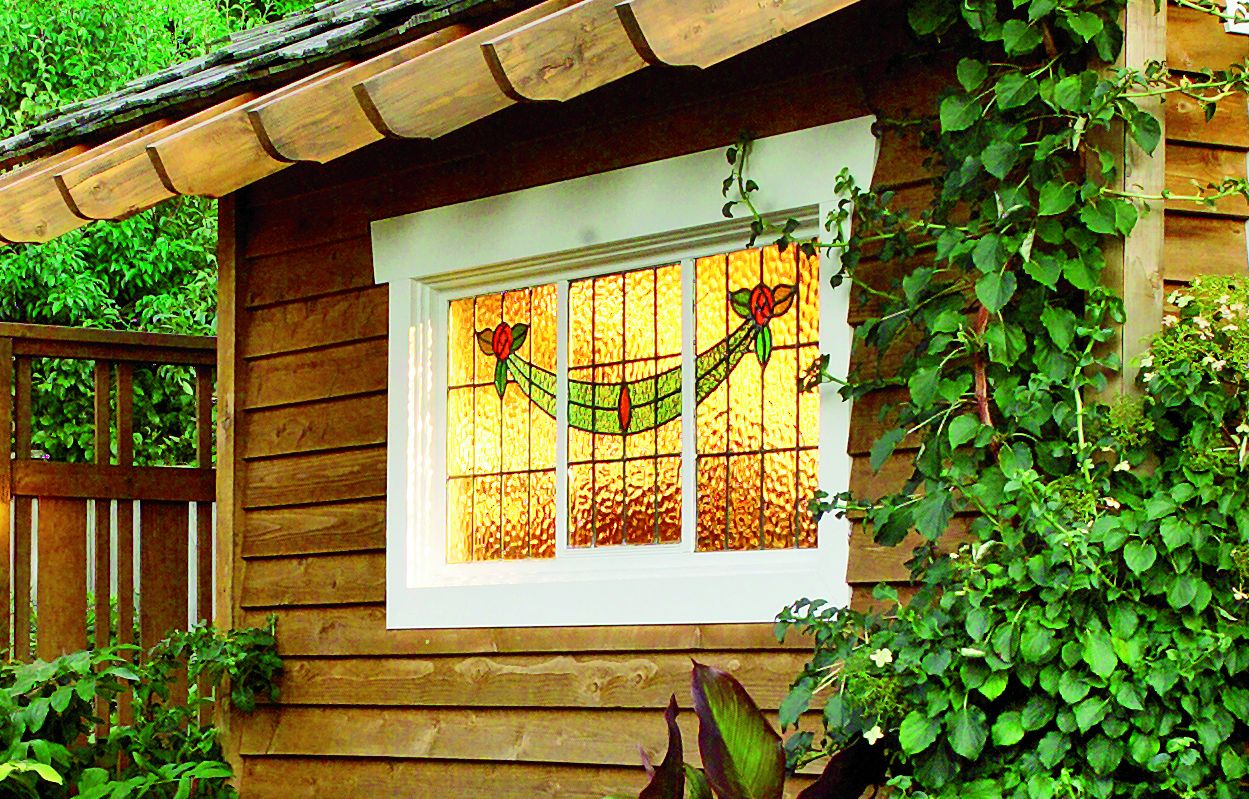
(598, 224)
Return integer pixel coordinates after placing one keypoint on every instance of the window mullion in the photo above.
(562, 322)
(689, 413)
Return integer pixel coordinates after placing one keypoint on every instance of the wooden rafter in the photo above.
(565, 54)
(446, 89)
(119, 179)
(42, 165)
(321, 120)
(700, 33)
(223, 154)
(32, 209)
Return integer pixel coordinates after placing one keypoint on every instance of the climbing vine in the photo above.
(1078, 623)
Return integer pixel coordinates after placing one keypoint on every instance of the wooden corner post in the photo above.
(1134, 271)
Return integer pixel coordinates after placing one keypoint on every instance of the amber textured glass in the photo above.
(500, 430)
(624, 430)
(756, 315)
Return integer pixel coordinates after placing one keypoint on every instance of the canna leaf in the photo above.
(849, 774)
(742, 754)
(668, 781)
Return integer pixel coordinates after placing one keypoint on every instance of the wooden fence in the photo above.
(62, 514)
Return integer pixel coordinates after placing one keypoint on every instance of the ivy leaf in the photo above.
(988, 254)
(967, 733)
(884, 447)
(999, 158)
(995, 289)
(1104, 754)
(1139, 556)
(1008, 729)
(1044, 269)
(1175, 533)
(1069, 93)
(1060, 324)
(932, 516)
(1182, 591)
(1055, 198)
(1085, 24)
(1099, 653)
(1036, 643)
(918, 732)
(971, 73)
(923, 385)
(958, 112)
(1019, 37)
(1014, 89)
(963, 429)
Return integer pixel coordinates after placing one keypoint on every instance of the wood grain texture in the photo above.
(6, 491)
(356, 368)
(445, 90)
(623, 680)
(316, 580)
(1186, 122)
(311, 427)
(163, 574)
(313, 529)
(1191, 169)
(323, 477)
(564, 55)
(62, 604)
(1197, 41)
(321, 120)
(121, 179)
(696, 33)
(223, 154)
(286, 276)
(90, 481)
(318, 322)
(360, 630)
(1197, 245)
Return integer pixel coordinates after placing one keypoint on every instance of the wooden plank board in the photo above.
(1197, 41)
(222, 154)
(587, 680)
(23, 514)
(163, 578)
(1190, 168)
(126, 585)
(360, 630)
(1186, 122)
(313, 529)
(314, 426)
(90, 481)
(334, 579)
(286, 276)
(445, 90)
(321, 120)
(563, 55)
(872, 563)
(318, 478)
(62, 603)
(318, 322)
(340, 371)
(120, 180)
(1196, 245)
(103, 445)
(696, 33)
(6, 492)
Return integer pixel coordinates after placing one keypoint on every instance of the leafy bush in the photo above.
(51, 731)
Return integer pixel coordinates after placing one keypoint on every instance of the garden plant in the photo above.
(1085, 635)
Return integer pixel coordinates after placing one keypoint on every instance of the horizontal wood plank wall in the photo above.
(1201, 240)
(470, 713)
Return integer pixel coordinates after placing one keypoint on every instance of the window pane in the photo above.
(756, 334)
(624, 407)
(501, 426)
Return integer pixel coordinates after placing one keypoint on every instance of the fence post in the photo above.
(6, 486)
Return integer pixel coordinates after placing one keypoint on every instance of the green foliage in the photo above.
(50, 730)
(741, 752)
(1090, 640)
(155, 271)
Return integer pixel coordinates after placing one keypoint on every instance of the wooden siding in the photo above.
(523, 712)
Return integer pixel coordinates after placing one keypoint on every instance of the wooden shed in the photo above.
(487, 364)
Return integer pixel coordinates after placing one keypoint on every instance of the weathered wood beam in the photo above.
(564, 55)
(32, 209)
(223, 154)
(41, 165)
(322, 120)
(702, 33)
(121, 180)
(446, 89)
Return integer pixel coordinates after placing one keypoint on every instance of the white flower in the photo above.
(1169, 320)
(1218, 365)
(1148, 376)
(873, 735)
(881, 657)
(1147, 361)
(953, 556)
(1243, 427)
(1225, 312)
(1173, 297)
(1182, 300)
(1123, 466)
(1239, 595)
(1111, 503)
(1201, 322)
(1230, 328)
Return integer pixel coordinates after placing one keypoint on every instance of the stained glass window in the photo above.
(756, 333)
(624, 408)
(501, 435)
